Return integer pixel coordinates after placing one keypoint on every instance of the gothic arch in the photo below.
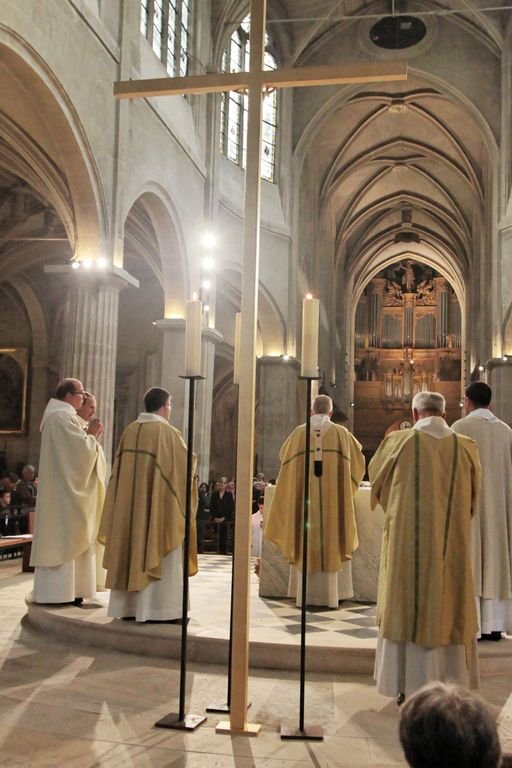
(163, 246)
(79, 196)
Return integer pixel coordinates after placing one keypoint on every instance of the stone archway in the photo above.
(51, 210)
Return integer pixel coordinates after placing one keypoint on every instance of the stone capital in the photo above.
(116, 277)
(279, 360)
(170, 324)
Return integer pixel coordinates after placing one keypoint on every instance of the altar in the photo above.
(275, 570)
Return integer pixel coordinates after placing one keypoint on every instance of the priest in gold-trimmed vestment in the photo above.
(336, 469)
(427, 480)
(143, 521)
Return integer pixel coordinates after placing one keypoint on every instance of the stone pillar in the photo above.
(499, 378)
(279, 410)
(173, 367)
(204, 397)
(90, 340)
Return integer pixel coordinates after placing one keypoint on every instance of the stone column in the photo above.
(173, 367)
(499, 378)
(280, 409)
(204, 397)
(90, 338)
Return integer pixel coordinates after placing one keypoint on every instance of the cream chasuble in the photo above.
(427, 480)
(70, 491)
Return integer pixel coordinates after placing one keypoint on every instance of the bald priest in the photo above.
(336, 469)
(143, 521)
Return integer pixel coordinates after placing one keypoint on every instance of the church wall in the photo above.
(170, 169)
(275, 237)
(100, 14)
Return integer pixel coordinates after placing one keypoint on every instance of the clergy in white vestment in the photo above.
(427, 480)
(70, 494)
(336, 469)
(85, 414)
(143, 521)
(492, 525)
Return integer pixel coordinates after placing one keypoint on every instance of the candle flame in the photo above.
(309, 295)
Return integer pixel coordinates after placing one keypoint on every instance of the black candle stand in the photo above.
(312, 732)
(179, 720)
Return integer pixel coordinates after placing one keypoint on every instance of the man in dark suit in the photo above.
(222, 511)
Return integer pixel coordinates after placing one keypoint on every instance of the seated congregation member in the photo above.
(427, 480)
(23, 499)
(26, 488)
(336, 469)
(9, 482)
(143, 521)
(446, 726)
(69, 493)
(222, 511)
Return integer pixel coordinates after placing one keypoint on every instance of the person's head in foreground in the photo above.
(446, 726)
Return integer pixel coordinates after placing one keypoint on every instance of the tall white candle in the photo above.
(193, 324)
(310, 324)
(236, 361)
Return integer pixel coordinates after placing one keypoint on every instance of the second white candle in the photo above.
(310, 327)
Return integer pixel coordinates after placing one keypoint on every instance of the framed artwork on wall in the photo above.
(13, 390)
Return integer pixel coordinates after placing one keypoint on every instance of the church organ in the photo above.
(407, 340)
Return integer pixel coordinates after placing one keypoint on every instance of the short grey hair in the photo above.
(322, 404)
(429, 401)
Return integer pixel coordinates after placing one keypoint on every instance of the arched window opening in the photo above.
(166, 26)
(234, 106)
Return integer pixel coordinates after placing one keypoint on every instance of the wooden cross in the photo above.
(256, 81)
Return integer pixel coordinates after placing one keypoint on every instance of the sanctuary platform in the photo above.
(338, 641)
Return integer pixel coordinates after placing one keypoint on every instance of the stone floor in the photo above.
(64, 703)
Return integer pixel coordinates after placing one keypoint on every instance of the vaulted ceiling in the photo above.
(398, 165)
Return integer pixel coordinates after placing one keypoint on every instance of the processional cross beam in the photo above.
(256, 82)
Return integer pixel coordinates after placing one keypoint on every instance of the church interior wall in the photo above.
(175, 112)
